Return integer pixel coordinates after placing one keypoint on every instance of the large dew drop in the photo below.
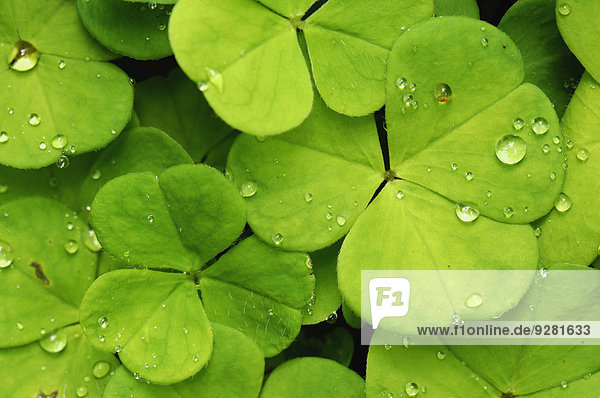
(23, 57)
(6, 256)
(466, 213)
(412, 389)
(511, 149)
(248, 189)
(442, 93)
(563, 202)
(101, 369)
(540, 125)
(54, 342)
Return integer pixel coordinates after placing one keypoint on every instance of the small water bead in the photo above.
(556, 140)
(511, 149)
(34, 119)
(103, 322)
(3, 188)
(582, 154)
(387, 346)
(23, 57)
(399, 194)
(341, 221)
(308, 197)
(569, 144)
(546, 148)
(4, 137)
(518, 124)
(10, 110)
(96, 175)
(42, 146)
(454, 166)
(59, 141)
(248, 189)
(442, 93)
(540, 126)
(401, 83)
(162, 26)
(441, 355)
(563, 203)
(6, 256)
(100, 369)
(466, 212)
(488, 194)
(564, 9)
(71, 246)
(150, 218)
(484, 42)
(564, 384)
(538, 231)
(332, 318)
(277, 239)
(137, 376)
(409, 100)
(412, 389)
(508, 212)
(474, 300)
(553, 176)
(61, 64)
(20, 326)
(62, 161)
(54, 342)
(469, 176)
(82, 391)
(329, 216)
(90, 240)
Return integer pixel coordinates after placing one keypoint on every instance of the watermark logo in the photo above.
(389, 297)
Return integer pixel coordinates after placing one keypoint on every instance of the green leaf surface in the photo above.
(42, 284)
(179, 220)
(235, 369)
(217, 157)
(137, 30)
(260, 291)
(327, 298)
(53, 26)
(248, 73)
(31, 371)
(450, 147)
(576, 21)
(549, 64)
(176, 106)
(467, 8)
(153, 320)
(352, 319)
(140, 149)
(87, 103)
(573, 236)
(290, 8)
(327, 379)
(157, 2)
(422, 232)
(312, 182)
(349, 42)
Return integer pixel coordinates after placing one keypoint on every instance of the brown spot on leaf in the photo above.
(39, 273)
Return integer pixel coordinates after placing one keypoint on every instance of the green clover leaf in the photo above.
(327, 379)
(549, 64)
(468, 8)
(45, 268)
(136, 30)
(451, 169)
(58, 101)
(67, 365)
(571, 233)
(174, 105)
(255, 77)
(576, 22)
(235, 369)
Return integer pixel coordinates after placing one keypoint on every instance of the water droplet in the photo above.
(20, 326)
(441, 355)
(96, 175)
(556, 140)
(215, 78)
(508, 212)
(412, 389)
(54, 342)
(583, 154)
(399, 194)
(196, 358)
(518, 124)
(277, 239)
(91, 241)
(150, 218)
(71, 246)
(563, 203)
(248, 189)
(537, 231)
(308, 262)
(564, 384)
(474, 300)
(103, 322)
(457, 320)
(469, 176)
(308, 197)
(136, 376)
(511, 149)
(387, 346)
(34, 119)
(4, 137)
(545, 148)
(61, 64)
(101, 369)
(23, 57)
(332, 318)
(564, 9)
(540, 125)
(6, 256)
(82, 391)
(401, 83)
(484, 42)
(59, 141)
(454, 166)
(3, 188)
(62, 161)
(162, 26)
(552, 175)
(341, 220)
(466, 212)
(442, 93)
